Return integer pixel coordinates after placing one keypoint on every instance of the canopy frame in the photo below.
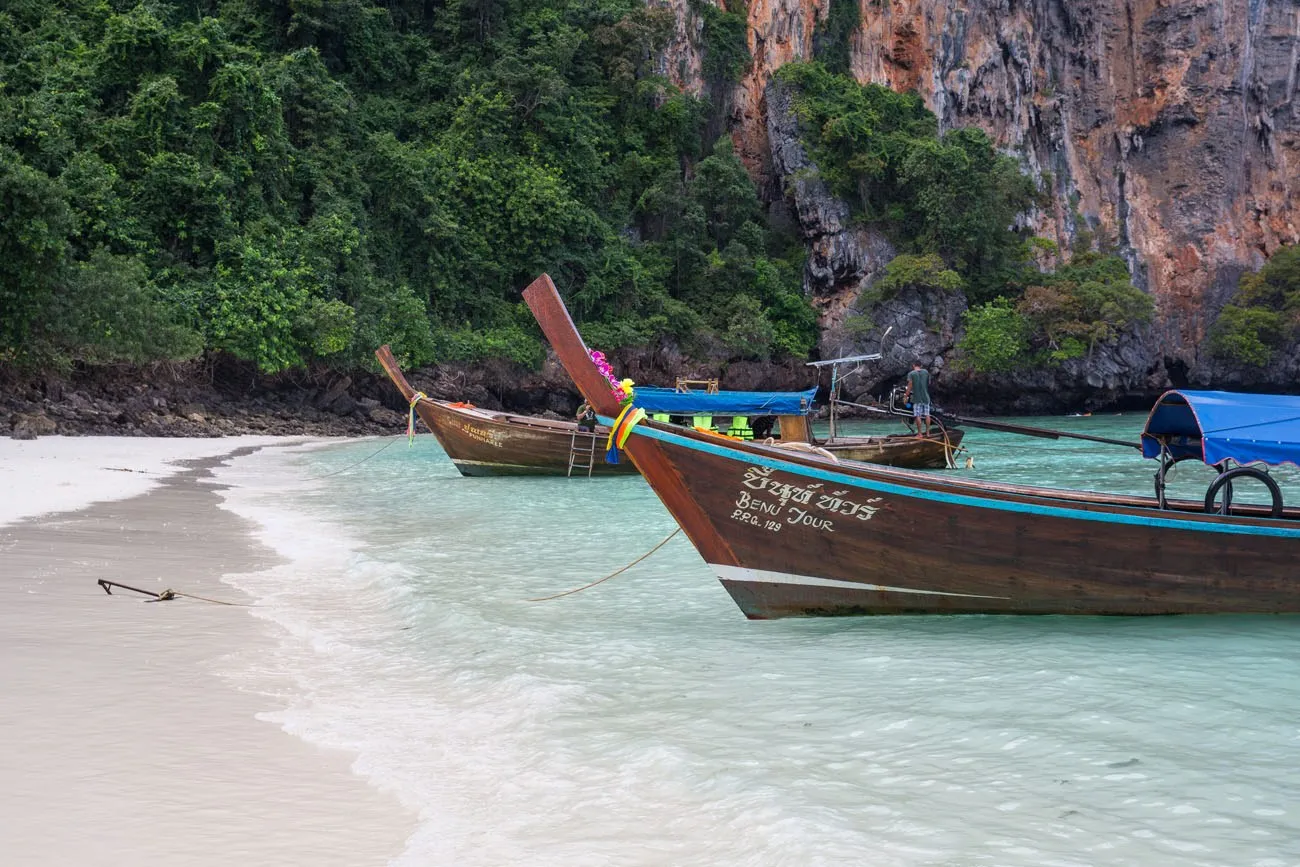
(1239, 435)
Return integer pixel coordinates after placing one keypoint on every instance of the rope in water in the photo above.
(611, 574)
(375, 454)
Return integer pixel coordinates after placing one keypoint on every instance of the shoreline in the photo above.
(134, 740)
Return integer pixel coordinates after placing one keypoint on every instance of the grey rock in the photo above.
(29, 426)
(841, 257)
(344, 404)
(334, 392)
(387, 417)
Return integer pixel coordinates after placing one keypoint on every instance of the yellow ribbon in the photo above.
(629, 418)
(410, 418)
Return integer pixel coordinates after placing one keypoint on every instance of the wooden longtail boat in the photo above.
(797, 534)
(483, 442)
(934, 452)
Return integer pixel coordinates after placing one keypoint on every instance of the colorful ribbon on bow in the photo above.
(410, 417)
(629, 418)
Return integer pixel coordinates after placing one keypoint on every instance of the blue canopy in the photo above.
(1216, 425)
(724, 402)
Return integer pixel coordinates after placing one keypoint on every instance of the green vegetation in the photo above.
(726, 37)
(1265, 314)
(1065, 315)
(996, 338)
(833, 39)
(298, 182)
(910, 270)
(953, 196)
(950, 203)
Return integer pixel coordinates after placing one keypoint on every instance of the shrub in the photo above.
(996, 338)
(1247, 335)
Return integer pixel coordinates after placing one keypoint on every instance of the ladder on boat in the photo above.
(581, 455)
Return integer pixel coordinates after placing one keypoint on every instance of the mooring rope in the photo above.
(166, 595)
(357, 464)
(611, 574)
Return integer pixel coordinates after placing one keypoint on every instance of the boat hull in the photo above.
(495, 444)
(486, 443)
(900, 450)
(793, 537)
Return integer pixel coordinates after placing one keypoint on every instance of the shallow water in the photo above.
(646, 722)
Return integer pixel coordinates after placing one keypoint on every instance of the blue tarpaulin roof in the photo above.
(1216, 425)
(724, 402)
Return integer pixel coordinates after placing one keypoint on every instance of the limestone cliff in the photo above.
(1167, 126)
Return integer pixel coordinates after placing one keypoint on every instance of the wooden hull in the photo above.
(481, 442)
(795, 534)
(899, 450)
(485, 443)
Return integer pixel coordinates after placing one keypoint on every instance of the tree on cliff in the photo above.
(1265, 314)
(1066, 314)
(951, 195)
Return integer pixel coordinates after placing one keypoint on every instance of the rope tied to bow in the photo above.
(410, 417)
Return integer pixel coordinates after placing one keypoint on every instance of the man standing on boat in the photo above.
(918, 392)
(586, 417)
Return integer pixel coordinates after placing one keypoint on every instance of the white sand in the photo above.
(122, 742)
(57, 474)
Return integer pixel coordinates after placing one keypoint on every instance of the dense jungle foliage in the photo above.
(1265, 314)
(293, 180)
(297, 181)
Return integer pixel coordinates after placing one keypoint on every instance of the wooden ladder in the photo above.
(577, 454)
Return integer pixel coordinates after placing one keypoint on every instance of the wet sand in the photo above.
(126, 739)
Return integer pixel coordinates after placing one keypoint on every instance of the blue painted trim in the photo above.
(963, 499)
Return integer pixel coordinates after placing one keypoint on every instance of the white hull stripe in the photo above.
(762, 576)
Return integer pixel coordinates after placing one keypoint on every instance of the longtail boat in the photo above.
(933, 452)
(799, 534)
(482, 442)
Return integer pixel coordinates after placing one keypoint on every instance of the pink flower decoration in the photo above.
(607, 370)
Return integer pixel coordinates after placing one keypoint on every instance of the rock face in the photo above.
(1168, 127)
(841, 257)
(1169, 123)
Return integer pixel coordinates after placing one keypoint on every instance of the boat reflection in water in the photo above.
(799, 534)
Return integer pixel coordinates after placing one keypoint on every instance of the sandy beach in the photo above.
(124, 741)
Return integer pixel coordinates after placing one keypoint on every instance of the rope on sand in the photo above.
(165, 596)
(611, 574)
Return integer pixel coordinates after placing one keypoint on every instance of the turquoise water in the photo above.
(646, 722)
